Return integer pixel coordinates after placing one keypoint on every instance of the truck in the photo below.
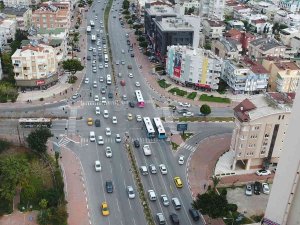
(147, 150)
(94, 37)
(88, 29)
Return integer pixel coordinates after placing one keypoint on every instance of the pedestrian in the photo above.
(204, 186)
(72, 88)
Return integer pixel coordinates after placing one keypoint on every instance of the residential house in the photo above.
(287, 34)
(213, 9)
(290, 5)
(22, 15)
(213, 29)
(226, 48)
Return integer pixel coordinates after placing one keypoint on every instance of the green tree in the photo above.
(43, 203)
(72, 65)
(7, 67)
(205, 109)
(38, 138)
(216, 181)
(90, 2)
(19, 37)
(7, 92)
(125, 4)
(143, 44)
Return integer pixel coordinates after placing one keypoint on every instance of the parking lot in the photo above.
(248, 205)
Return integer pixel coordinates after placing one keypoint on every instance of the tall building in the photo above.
(260, 126)
(22, 15)
(197, 68)
(284, 202)
(35, 66)
(212, 9)
(14, 3)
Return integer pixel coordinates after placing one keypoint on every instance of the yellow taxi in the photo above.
(104, 209)
(129, 117)
(178, 182)
(90, 121)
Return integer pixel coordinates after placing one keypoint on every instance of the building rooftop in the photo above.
(230, 44)
(286, 65)
(232, 32)
(174, 24)
(266, 43)
(160, 10)
(289, 30)
(17, 11)
(51, 31)
(215, 23)
(255, 67)
(263, 105)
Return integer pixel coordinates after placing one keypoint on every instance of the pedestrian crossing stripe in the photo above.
(189, 147)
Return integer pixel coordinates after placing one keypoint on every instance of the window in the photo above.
(283, 117)
(279, 117)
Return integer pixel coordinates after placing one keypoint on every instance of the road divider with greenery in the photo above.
(211, 98)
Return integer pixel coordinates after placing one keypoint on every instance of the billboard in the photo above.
(177, 64)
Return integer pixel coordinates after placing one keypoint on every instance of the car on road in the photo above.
(152, 169)
(130, 192)
(265, 188)
(109, 186)
(104, 209)
(263, 172)
(132, 55)
(165, 200)
(137, 84)
(101, 79)
(101, 66)
(95, 84)
(181, 111)
(160, 218)
(188, 114)
(248, 190)
(123, 62)
(88, 57)
(90, 121)
(105, 113)
(130, 75)
(97, 166)
(185, 104)
(97, 110)
(129, 116)
(94, 69)
(131, 104)
(110, 95)
(114, 120)
(181, 160)
(103, 101)
(124, 97)
(174, 218)
(86, 80)
(97, 123)
(119, 74)
(96, 98)
(152, 195)
(138, 118)
(194, 214)
(147, 150)
(117, 62)
(106, 65)
(178, 182)
(100, 140)
(256, 188)
(75, 96)
(136, 143)
(103, 91)
(118, 138)
(144, 170)
(108, 152)
(163, 169)
(107, 131)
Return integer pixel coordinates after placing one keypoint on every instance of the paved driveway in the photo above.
(18, 218)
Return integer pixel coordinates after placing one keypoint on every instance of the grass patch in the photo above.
(192, 95)
(186, 135)
(205, 119)
(211, 98)
(174, 146)
(178, 91)
(163, 84)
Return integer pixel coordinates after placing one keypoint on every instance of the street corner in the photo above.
(75, 138)
(177, 139)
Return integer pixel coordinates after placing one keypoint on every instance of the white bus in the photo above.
(94, 37)
(161, 133)
(88, 29)
(35, 122)
(105, 58)
(149, 127)
(92, 23)
(139, 98)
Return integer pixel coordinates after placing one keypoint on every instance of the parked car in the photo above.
(257, 188)
(248, 190)
(263, 172)
(185, 104)
(265, 188)
(188, 114)
(136, 143)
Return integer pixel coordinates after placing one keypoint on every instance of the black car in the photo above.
(109, 186)
(88, 57)
(110, 95)
(131, 104)
(181, 111)
(136, 143)
(132, 55)
(97, 123)
(174, 218)
(257, 188)
(194, 214)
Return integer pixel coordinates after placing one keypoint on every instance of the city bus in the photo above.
(149, 127)
(35, 122)
(139, 98)
(161, 133)
(88, 29)
(105, 58)
(92, 23)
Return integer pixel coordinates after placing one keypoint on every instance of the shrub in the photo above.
(232, 207)
(178, 91)
(41, 99)
(4, 145)
(211, 98)
(6, 206)
(163, 84)
(192, 95)
(127, 17)
(141, 38)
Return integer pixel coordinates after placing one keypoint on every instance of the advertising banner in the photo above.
(177, 64)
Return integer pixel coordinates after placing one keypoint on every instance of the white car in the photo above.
(139, 118)
(99, 48)
(106, 65)
(265, 188)
(100, 140)
(165, 200)
(86, 80)
(95, 84)
(130, 192)
(98, 112)
(96, 98)
(114, 120)
(101, 79)
(163, 169)
(185, 104)
(263, 172)
(90, 48)
(103, 101)
(152, 195)
(188, 114)
(181, 160)
(97, 166)
(137, 84)
(94, 69)
(146, 150)
(107, 131)
(248, 190)
(123, 51)
(130, 75)
(108, 152)
(101, 66)
(105, 113)
(118, 138)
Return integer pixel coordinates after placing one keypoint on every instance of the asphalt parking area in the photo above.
(248, 205)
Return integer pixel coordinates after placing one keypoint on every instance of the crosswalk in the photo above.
(112, 140)
(64, 141)
(92, 103)
(188, 147)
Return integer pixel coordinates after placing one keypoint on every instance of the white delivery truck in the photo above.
(147, 150)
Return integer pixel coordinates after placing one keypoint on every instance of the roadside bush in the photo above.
(141, 38)
(192, 95)
(4, 145)
(178, 91)
(127, 17)
(41, 99)
(232, 207)
(211, 98)
(130, 22)
(125, 12)
(163, 84)
(6, 207)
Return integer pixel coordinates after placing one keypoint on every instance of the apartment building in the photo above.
(260, 26)
(197, 68)
(289, 19)
(226, 48)
(213, 29)
(241, 12)
(8, 29)
(35, 66)
(245, 76)
(290, 5)
(52, 15)
(14, 3)
(243, 37)
(260, 127)
(22, 15)
(171, 31)
(213, 9)
(284, 74)
(284, 201)
(287, 34)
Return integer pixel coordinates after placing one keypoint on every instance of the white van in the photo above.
(108, 79)
(176, 203)
(92, 136)
(105, 113)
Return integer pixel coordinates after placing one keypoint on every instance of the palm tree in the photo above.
(216, 181)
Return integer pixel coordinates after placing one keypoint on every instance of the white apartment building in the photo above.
(284, 202)
(240, 12)
(260, 126)
(213, 9)
(213, 29)
(8, 29)
(287, 34)
(35, 66)
(198, 68)
(289, 19)
(14, 3)
(290, 5)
